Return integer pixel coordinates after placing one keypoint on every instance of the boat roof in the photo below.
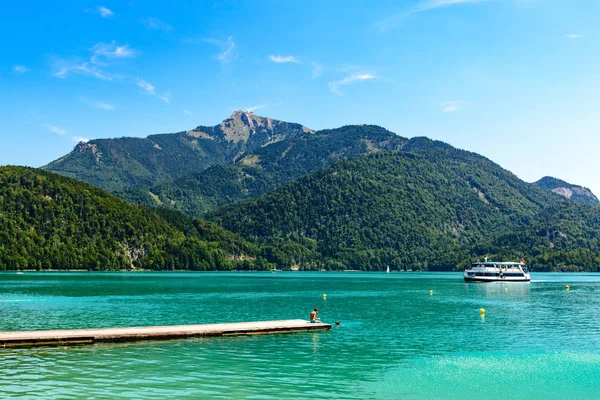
(495, 263)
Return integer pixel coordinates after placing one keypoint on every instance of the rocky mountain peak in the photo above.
(576, 193)
(244, 113)
(242, 125)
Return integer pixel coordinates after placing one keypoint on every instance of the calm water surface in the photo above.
(396, 340)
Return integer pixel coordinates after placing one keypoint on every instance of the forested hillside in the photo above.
(358, 197)
(265, 169)
(428, 207)
(49, 221)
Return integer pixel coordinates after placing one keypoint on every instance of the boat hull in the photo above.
(494, 279)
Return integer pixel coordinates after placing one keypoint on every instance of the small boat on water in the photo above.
(492, 271)
(388, 269)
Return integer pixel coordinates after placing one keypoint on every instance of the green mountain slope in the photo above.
(120, 164)
(576, 193)
(563, 237)
(430, 207)
(50, 221)
(265, 169)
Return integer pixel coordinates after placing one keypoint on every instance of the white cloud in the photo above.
(227, 47)
(110, 50)
(574, 36)
(104, 12)
(156, 24)
(99, 53)
(254, 108)
(79, 139)
(433, 4)
(187, 112)
(21, 69)
(421, 6)
(97, 104)
(283, 59)
(54, 129)
(103, 106)
(317, 69)
(100, 10)
(151, 90)
(334, 86)
(65, 68)
(227, 53)
(147, 86)
(451, 106)
(165, 97)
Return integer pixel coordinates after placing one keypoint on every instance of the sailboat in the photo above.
(387, 271)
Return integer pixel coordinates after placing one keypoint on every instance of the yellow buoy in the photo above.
(481, 311)
(567, 287)
(430, 292)
(324, 296)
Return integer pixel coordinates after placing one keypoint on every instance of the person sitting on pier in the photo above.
(313, 315)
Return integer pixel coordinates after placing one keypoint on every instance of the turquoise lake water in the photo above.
(396, 341)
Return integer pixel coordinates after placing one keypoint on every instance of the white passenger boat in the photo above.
(492, 271)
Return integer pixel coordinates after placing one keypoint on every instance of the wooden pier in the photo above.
(89, 336)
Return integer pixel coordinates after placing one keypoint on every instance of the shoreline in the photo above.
(150, 271)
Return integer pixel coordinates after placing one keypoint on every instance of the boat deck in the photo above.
(89, 336)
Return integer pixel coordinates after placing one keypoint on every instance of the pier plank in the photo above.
(89, 336)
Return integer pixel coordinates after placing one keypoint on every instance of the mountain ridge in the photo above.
(360, 196)
(266, 169)
(118, 164)
(434, 208)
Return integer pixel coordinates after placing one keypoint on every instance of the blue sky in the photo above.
(515, 80)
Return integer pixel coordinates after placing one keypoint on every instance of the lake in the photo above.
(395, 341)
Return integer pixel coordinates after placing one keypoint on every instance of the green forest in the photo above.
(51, 222)
(436, 208)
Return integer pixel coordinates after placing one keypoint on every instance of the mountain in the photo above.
(125, 163)
(50, 221)
(576, 193)
(356, 197)
(430, 206)
(265, 169)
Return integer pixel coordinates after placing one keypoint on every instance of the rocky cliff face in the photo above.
(576, 193)
(245, 131)
(126, 163)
